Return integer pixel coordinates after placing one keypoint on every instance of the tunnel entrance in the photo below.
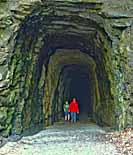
(54, 50)
(67, 66)
(58, 58)
(76, 83)
(80, 89)
(76, 74)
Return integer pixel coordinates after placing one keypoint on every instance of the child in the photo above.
(66, 111)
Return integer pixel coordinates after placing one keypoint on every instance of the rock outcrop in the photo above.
(39, 40)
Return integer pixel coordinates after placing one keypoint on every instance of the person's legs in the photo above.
(68, 116)
(65, 113)
(74, 116)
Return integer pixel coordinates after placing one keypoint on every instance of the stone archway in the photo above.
(61, 61)
(51, 26)
(53, 42)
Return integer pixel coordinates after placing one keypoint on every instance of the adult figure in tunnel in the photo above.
(74, 110)
(66, 111)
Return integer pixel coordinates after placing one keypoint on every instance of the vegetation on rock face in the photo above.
(31, 32)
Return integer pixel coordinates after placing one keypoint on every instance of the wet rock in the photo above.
(14, 138)
(3, 84)
(2, 128)
(3, 114)
(3, 141)
(1, 77)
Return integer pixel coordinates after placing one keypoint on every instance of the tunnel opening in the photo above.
(63, 58)
(68, 50)
(79, 86)
(80, 90)
(45, 74)
(85, 82)
(43, 42)
(58, 43)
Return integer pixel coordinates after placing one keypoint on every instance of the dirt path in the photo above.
(63, 139)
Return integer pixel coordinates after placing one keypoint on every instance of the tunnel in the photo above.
(80, 88)
(77, 85)
(67, 64)
(59, 54)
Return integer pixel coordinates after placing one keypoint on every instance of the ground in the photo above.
(64, 138)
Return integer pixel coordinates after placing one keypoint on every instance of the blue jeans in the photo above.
(66, 113)
(73, 116)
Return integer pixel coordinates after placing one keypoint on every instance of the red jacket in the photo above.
(73, 107)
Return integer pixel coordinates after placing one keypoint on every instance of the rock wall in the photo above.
(28, 26)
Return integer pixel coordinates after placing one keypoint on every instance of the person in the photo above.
(74, 110)
(66, 111)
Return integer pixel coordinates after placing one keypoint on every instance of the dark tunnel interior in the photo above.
(79, 87)
(81, 84)
(80, 90)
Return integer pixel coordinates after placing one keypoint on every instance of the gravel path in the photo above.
(63, 139)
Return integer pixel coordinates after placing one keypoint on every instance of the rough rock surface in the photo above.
(25, 27)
